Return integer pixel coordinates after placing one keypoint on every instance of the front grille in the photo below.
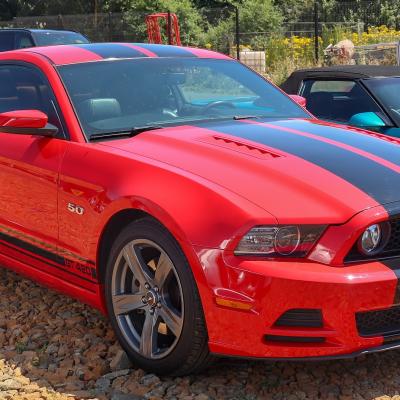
(394, 241)
(392, 248)
(301, 317)
(379, 323)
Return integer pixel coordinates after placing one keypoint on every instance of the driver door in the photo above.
(29, 168)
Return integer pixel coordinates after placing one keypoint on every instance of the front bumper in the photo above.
(271, 288)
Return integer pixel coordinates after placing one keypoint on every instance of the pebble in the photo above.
(120, 361)
(116, 374)
(103, 384)
(149, 380)
(124, 396)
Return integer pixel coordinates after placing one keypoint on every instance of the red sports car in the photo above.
(199, 207)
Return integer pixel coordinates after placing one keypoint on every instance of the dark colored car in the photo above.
(13, 39)
(365, 96)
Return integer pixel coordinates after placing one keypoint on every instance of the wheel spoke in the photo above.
(136, 264)
(148, 339)
(163, 269)
(124, 303)
(172, 319)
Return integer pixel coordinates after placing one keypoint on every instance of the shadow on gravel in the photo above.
(52, 347)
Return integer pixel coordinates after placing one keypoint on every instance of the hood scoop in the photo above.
(240, 147)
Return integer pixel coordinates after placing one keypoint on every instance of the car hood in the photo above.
(294, 169)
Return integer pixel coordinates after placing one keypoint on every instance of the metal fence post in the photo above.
(169, 28)
(398, 53)
(316, 31)
(110, 28)
(60, 22)
(237, 32)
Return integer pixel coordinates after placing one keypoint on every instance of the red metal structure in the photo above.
(154, 29)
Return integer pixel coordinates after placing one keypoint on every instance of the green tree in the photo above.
(295, 10)
(258, 19)
(21, 8)
(259, 16)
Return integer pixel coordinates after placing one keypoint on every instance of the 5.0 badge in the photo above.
(75, 209)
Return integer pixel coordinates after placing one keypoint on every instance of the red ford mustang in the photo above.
(199, 207)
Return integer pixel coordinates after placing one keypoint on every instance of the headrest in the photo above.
(99, 109)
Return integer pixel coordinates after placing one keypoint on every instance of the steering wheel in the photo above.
(217, 103)
(396, 110)
(169, 113)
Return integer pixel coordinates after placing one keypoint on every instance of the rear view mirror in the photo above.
(174, 78)
(300, 100)
(26, 122)
(367, 120)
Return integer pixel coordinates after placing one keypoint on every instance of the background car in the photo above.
(365, 96)
(12, 39)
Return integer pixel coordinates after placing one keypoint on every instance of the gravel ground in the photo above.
(52, 347)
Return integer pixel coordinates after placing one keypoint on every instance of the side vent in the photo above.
(240, 147)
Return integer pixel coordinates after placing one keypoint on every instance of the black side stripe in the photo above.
(382, 148)
(114, 50)
(57, 261)
(2, 243)
(376, 180)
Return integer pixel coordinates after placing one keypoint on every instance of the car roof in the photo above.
(292, 84)
(79, 53)
(36, 30)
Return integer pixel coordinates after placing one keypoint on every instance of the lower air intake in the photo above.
(301, 318)
(293, 339)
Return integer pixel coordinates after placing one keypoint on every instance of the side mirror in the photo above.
(367, 120)
(300, 100)
(26, 122)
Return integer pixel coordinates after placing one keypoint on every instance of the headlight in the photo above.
(374, 239)
(280, 241)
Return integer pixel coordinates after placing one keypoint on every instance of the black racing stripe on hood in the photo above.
(379, 147)
(378, 181)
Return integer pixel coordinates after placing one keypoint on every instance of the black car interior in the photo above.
(338, 105)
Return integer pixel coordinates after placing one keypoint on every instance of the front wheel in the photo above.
(153, 301)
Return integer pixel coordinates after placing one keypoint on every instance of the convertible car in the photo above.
(199, 207)
(365, 96)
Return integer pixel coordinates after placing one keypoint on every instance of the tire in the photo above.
(171, 314)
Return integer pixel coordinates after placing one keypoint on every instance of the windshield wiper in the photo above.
(239, 117)
(124, 133)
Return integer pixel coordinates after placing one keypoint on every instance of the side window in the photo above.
(337, 100)
(25, 88)
(23, 40)
(7, 41)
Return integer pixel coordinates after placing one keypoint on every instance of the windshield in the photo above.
(118, 95)
(387, 90)
(50, 38)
